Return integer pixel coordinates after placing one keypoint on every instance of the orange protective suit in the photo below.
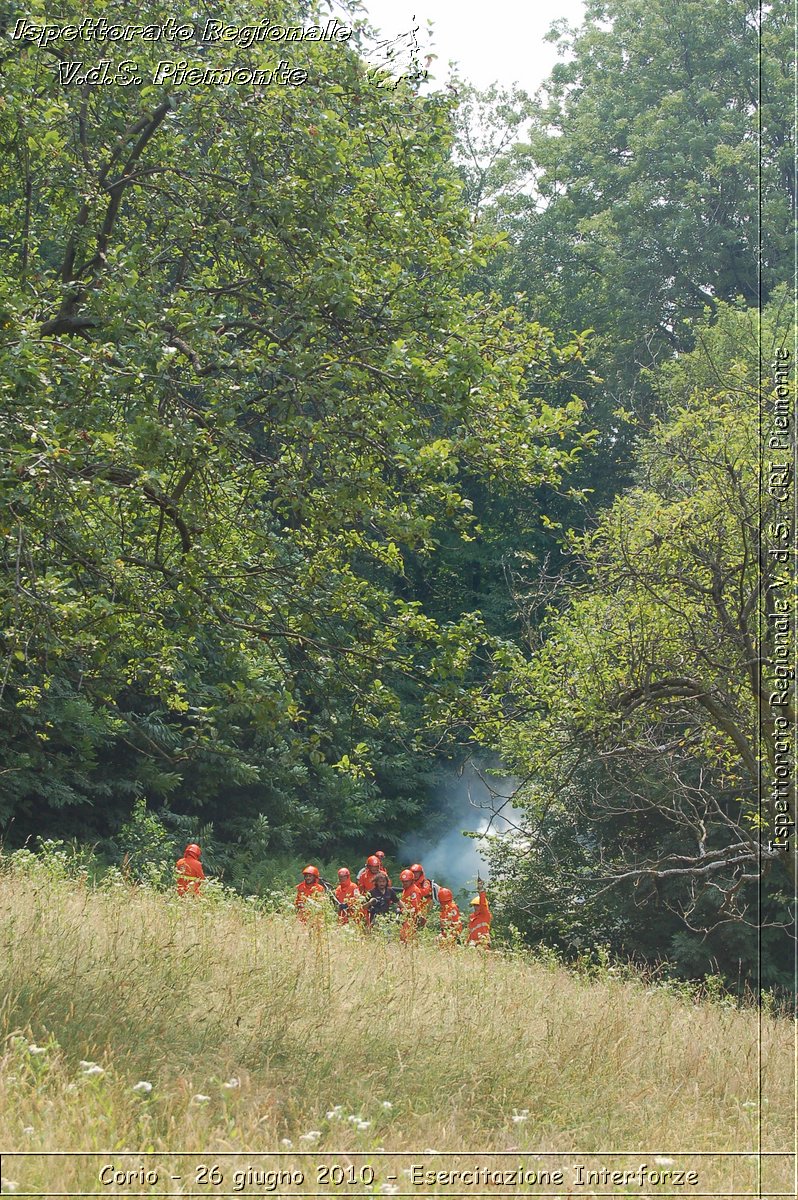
(189, 872)
(365, 880)
(349, 895)
(479, 923)
(304, 893)
(451, 923)
(424, 886)
(381, 856)
(410, 904)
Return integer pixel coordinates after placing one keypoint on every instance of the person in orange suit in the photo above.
(410, 904)
(380, 854)
(480, 920)
(349, 899)
(451, 923)
(424, 886)
(189, 871)
(309, 889)
(365, 878)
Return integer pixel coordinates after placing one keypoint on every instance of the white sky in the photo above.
(497, 41)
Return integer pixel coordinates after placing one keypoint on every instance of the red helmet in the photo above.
(417, 869)
(192, 850)
(343, 873)
(373, 862)
(407, 877)
(444, 895)
(311, 871)
(380, 854)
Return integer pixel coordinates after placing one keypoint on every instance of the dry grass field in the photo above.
(136, 1021)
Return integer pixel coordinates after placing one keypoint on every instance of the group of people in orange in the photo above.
(372, 897)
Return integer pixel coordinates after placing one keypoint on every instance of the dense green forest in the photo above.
(351, 426)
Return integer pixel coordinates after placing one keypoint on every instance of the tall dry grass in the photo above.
(252, 1029)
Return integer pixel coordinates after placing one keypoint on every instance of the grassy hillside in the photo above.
(252, 1030)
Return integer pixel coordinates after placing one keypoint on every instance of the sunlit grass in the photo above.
(137, 1020)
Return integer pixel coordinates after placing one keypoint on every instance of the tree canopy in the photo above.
(242, 381)
(650, 178)
(346, 423)
(641, 718)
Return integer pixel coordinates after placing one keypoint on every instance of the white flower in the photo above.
(93, 1069)
(389, 1189)
(312, 1135)
(334, 1114)
(518, 1117)
(386, 1104)
(8, 1185)
(663, 1162)
(200, 1099)
(28, 1129)
(233, 1082)
(143, 1085)
(361, 1125)
(286, 1142)
(748, 1104)
(32, 1049)
(353, 1119)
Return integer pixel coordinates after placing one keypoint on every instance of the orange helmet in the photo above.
(311, 871)
(192, 850)
(373, 862)
(407, 877)
(417, 869)
(343, 873)
(445, 895)
(380, 854)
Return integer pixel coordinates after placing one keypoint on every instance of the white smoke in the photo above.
(478, 803)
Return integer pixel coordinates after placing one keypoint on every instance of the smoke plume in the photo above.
(473, 802)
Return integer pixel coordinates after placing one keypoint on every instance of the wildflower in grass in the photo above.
(286, 1142)
(386, 1104)
(9, 1185)
(233, 1082)
(748, 1104)
(200, 1099)
(33, 1049)
(663, 1162)
(28, 1129)
(93, 1069)
(518, 1117)
(143, 1086)
(312, 1135)
(389, 1189)
(334, 1114)
(361, 1125)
